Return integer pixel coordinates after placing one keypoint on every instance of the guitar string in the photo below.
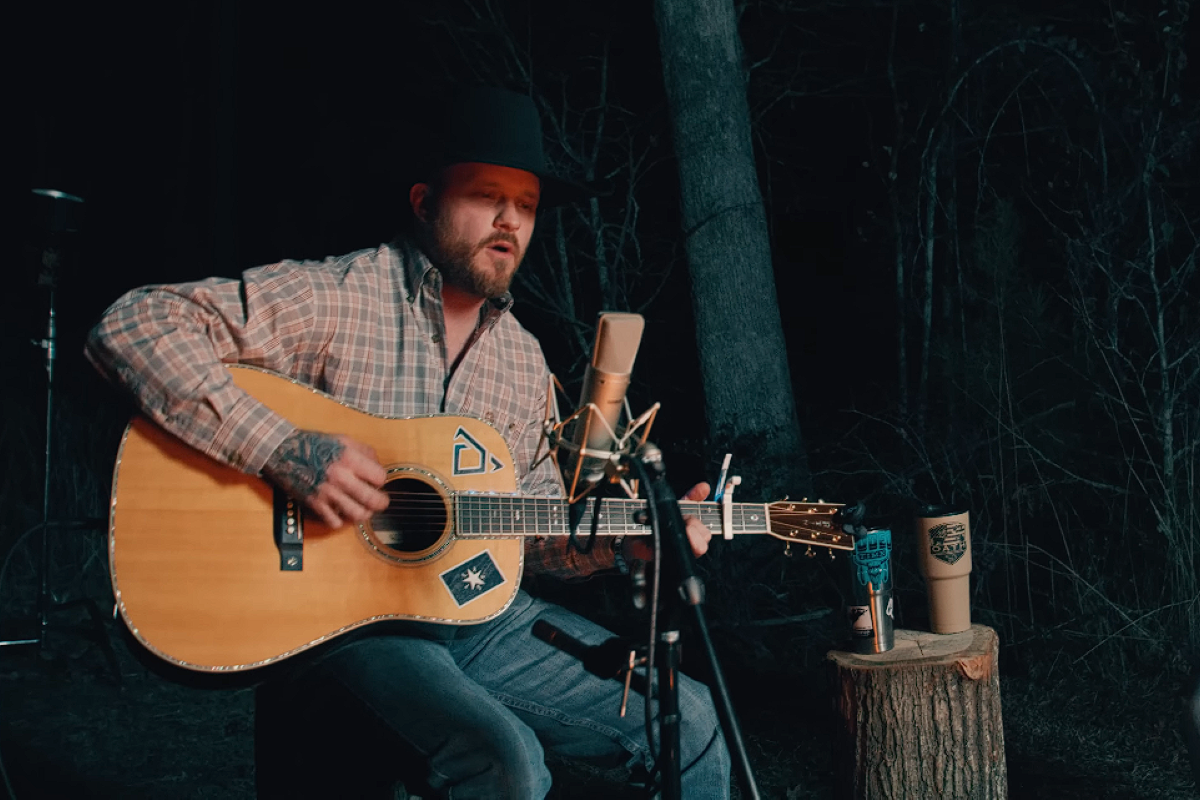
(426, 497)
(702, 506)
(485, 505)
(708, 505)
(417, 498)
(437, 522)
(419, 503)
(709, 508)
(552, 528)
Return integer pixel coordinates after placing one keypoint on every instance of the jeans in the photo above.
(481, 706)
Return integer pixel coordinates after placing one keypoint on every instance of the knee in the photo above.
(700, 736)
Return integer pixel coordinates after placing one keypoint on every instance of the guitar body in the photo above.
(198, 574)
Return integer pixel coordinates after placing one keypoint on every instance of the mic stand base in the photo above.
(32, 631)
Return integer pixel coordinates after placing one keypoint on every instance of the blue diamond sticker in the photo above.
(472, 578)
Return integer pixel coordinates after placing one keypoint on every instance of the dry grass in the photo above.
(69, 730)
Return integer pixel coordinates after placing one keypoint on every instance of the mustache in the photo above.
(497, 238)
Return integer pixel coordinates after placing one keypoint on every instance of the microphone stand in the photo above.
(58, 217)
(674, 565)
(676, 569)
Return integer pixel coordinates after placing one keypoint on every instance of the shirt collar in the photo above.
(414, 265)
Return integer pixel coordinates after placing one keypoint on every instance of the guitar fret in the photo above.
(746, 517)
(509, 516)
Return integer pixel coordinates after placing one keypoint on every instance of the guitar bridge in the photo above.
(289, 533)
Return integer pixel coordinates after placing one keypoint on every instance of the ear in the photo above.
(418, 198)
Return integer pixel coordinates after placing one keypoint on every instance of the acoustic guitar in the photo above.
(215, 571)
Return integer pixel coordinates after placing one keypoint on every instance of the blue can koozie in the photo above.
(870, 612)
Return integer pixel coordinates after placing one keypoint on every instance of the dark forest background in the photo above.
(982, 228)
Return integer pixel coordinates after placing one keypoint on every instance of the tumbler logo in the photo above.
(872, 558)
(948, 541)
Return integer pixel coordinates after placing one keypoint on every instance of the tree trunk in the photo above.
(747, 386)
(922, 720)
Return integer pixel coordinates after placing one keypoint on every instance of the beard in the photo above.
(468, 265)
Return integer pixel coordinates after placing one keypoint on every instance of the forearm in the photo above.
(557, 557)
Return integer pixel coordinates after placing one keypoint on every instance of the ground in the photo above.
(71, 728)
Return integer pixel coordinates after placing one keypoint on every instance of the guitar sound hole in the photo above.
(415, 519)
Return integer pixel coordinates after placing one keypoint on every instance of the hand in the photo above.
(336, 477)
(639, 548)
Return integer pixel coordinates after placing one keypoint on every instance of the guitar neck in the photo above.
(505, 516)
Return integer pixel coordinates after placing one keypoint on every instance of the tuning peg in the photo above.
(787, 549)
(809, 552)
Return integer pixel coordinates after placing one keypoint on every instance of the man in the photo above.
(418, 326)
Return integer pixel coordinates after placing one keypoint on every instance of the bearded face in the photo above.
(476, 224)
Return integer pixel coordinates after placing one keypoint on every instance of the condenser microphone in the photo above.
(604, 385)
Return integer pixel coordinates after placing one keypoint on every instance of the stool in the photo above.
(921, 720)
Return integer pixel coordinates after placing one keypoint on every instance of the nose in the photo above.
(508, 217)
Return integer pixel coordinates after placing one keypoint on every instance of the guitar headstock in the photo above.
(809, 523)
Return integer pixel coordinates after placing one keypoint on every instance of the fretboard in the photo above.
(507, 516)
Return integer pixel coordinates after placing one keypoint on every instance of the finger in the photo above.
(353, 513)
(325, 511)
(346, 507)
(362, 460)
(366, 495)
(698, 535)
(378, 500)
(346, 480)
(697, 492)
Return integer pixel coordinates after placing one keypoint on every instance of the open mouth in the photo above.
(503, 248)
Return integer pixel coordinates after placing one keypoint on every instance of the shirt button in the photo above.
(435, 338)
(409, 297)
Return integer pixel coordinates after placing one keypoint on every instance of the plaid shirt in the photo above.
(366, 328)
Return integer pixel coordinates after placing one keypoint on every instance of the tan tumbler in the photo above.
(944, 558)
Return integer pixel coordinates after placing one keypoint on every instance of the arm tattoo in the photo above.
(299, 464)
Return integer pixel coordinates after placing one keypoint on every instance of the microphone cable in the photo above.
(651, 667)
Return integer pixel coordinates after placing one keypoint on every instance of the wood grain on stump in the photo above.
(921, 720)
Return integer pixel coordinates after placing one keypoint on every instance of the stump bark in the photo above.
(921, 720)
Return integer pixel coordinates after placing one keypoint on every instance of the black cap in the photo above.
(490, 125)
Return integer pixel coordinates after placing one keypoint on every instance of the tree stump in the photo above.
(921, 720)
